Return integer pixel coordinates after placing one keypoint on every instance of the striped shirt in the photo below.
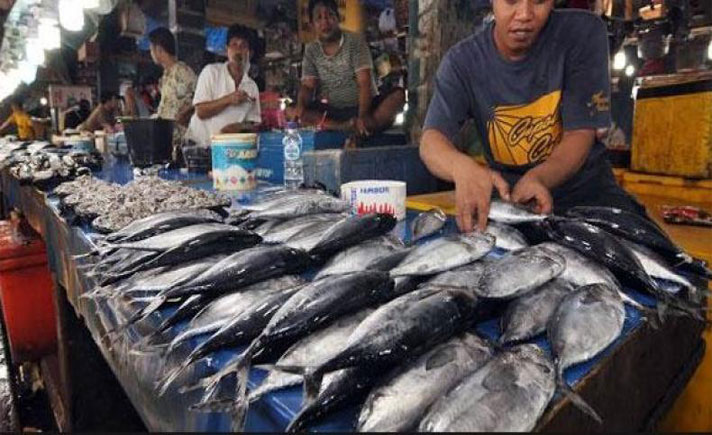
(336, 74)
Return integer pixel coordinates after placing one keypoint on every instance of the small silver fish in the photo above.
(506, 237)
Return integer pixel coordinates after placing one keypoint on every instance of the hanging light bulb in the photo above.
(630, 70)
(70, 16)
(619, 61)
(709, 52)
(34, 51)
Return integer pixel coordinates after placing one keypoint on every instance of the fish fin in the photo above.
(578, 401)
(294, 370)
(312, 385)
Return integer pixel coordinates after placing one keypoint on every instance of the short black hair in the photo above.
(242, 32)
(163, 38)
(17, 101)
(329, 4)
(106, 96)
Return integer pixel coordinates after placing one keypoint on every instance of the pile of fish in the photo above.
(340, 306)
(43, 165)
(110, 207)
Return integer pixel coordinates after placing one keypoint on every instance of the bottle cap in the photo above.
(291, 125)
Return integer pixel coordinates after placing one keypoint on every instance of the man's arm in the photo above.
(473, 182)
(566, 160)
(6, 124)
(239, 127)
(213, 108)
(306, 91)
(184, 114)
(363, 78)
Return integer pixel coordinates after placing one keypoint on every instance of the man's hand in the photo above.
(473, 191)
(360, 127)
(238, 97)
(294, 113)
(530, 188)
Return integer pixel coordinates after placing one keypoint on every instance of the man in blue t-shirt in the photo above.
(536, 81)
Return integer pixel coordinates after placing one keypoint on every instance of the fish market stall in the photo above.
(176, 362)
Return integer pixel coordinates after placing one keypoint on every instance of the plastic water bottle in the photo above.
(293, 168)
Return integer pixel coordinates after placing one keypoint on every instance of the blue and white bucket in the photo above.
(234, 161)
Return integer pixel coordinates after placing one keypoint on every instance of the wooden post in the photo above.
(186, 19)
(435, 26)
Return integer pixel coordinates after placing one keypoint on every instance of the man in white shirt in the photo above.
(226, 99)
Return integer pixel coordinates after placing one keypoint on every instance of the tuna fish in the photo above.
(281, 232)
(427, 224)
(161, 223)
(580, 270)
(634, 227)
(398, 403)
(235, 271)
(518, 273)
(527, 316)
(464, 277)
(359, 257)
(604, 248)
(301, 205)
(239, 331)
(306, 238)
(657, 267)
(312, 350)
(403, 328)
(508, 394)
(352, 231)
(445, 253)
(509, 213)
(345, 387)
(585, 323)
(506, 237)
(218, 312)
(310, 309)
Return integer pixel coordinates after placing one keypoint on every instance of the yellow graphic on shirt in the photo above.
(527, 133)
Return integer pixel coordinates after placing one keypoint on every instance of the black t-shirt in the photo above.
(521, 108)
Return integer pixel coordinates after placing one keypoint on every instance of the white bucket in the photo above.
(234, 158)
(376, 196)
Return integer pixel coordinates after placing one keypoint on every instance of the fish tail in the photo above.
(94, 294)
(148, 309)
(148, 349)
(163, 385)
(202, 383)
(578, 401)
(242, 405)
(298, 423)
